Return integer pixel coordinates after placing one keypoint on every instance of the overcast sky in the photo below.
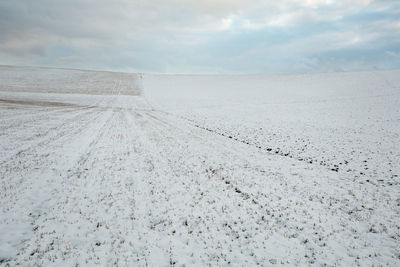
(209, 36)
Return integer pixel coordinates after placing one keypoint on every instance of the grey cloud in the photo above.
(198, 36)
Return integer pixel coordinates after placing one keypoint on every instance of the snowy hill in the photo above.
(47, 80)
(347, 122)
(102, 168)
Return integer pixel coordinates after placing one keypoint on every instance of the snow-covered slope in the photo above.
(216, 170)
(347, 122)
(47, 80)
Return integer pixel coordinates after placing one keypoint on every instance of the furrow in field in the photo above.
(156, 233)
(43, 135)
(98, 203)
(9, 112)
(194, 194)
(274, 199)
(42, 153)
(14, 123)
(44, 184)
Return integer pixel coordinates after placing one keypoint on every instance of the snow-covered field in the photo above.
(47, 80)
(112, 168)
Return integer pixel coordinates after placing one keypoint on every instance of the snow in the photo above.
(47, 80)
(343, 121)
(109, 168)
